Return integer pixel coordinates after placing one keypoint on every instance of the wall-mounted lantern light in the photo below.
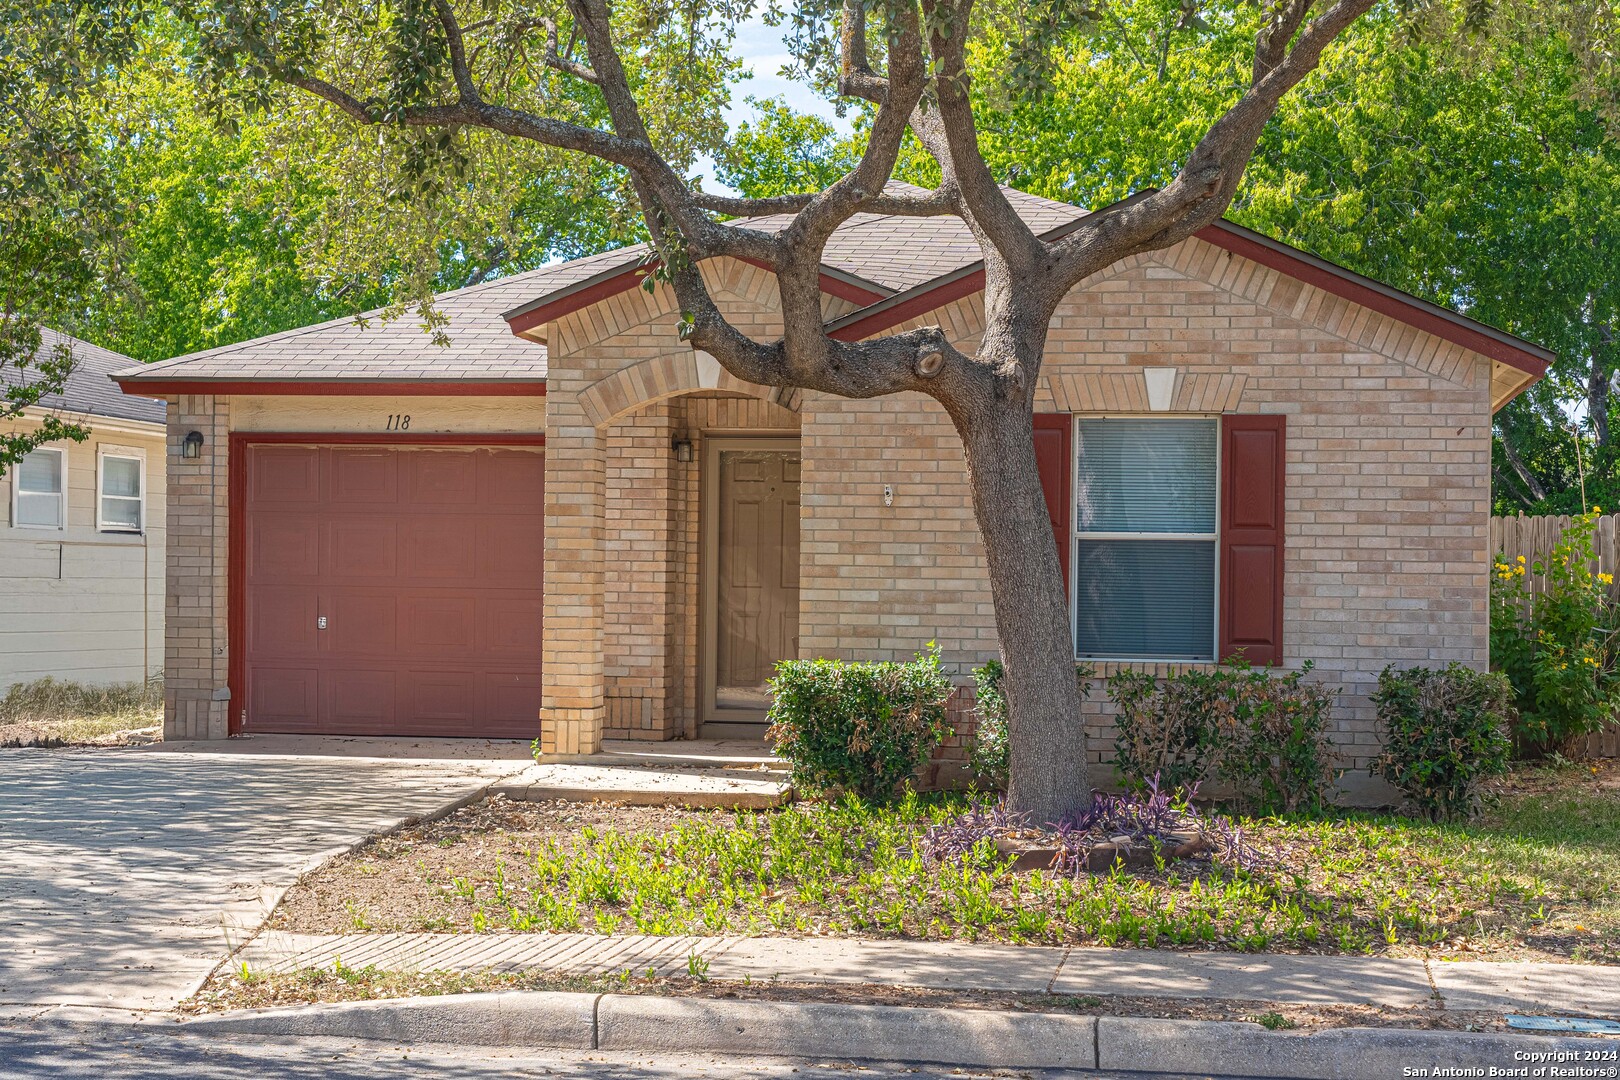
(683, 449)
(192, 448)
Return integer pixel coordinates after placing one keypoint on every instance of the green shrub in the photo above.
(1557, 646)
(1265, 734)
(1274, 749)
(990, 756)
(1445, 731)
(861, 728)
(1165, 727)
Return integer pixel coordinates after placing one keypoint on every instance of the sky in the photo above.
(763, 52)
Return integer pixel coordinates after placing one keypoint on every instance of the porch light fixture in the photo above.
(192, 447)
(683, 449)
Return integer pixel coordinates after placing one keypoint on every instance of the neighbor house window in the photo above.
(37, 498)
(1144, 557)
(122, 496)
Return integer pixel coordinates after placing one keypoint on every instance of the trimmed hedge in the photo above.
(858, 727)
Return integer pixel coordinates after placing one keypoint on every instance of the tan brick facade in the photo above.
(1386, 501)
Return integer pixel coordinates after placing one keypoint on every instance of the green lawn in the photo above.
(1535, 878)
(54, 712)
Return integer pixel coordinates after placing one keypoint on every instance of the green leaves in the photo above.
(860, 728)
(1445, 733)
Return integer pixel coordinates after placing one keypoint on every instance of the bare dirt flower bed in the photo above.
(1535, 879)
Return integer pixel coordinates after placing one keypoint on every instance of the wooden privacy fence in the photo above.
(1534, 537)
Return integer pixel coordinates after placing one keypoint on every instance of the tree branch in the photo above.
(1208, 180)
(855, 75)
(984, 205)
(556, 60)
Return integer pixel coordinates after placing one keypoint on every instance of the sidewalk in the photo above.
(1080, 971)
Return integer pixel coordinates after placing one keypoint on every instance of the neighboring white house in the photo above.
(81, 547)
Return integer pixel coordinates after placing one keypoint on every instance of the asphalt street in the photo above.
(82, 1054)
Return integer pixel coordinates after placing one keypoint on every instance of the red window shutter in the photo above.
(1055, 462)
(1252, 472)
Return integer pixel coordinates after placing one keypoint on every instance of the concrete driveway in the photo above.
(126, 874)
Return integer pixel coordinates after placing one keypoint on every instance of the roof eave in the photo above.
(175, 385)
(527, 319)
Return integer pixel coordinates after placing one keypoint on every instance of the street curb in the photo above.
(519, 1018)
(969, 1037)
(963, 1037)
(1240, 1049)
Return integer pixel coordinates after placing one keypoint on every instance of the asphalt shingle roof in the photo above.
(481, 347)
(893, 253)
(88, 390)
(900, 253)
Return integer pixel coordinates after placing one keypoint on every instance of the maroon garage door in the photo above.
(392, 590)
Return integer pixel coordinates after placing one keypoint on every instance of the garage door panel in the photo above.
(361, 548)
(442, 697)
(284, 474)
(510, 626)
(281, 621)
(512, 700)
(511, 480)
(425, 563)
(283, 549)
(437, 625)
(359, 623)
(443, 479)
(507, 546)
(441, 549)
(359, 700)
(284, 696)
(356, 476)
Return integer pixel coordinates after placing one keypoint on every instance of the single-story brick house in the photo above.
(567, 512)
(81, 546)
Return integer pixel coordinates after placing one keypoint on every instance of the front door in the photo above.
(751, 572)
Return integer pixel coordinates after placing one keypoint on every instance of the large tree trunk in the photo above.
(1048, 768)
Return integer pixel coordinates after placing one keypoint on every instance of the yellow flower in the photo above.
(1521, 560)
(1607, 579)
(1519, 571)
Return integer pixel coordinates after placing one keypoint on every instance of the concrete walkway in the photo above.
(127, 873)
(1283, 979)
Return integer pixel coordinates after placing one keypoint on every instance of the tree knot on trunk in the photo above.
(930, 364)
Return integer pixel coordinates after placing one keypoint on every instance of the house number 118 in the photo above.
(399, 421)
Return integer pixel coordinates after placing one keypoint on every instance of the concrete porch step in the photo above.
(726, 754)
(647, 785)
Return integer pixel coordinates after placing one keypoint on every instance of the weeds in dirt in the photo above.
(59, 712)
(1535, 876)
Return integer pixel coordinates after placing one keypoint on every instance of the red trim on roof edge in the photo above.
(910, 308)
(318, 388)
(1384, 304)
(1339, 284)
(581, 298)
(630, 278)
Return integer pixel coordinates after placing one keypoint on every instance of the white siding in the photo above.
(78, 603)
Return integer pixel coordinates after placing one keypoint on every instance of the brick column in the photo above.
(196, 648)
(572, 699)
(640, 574)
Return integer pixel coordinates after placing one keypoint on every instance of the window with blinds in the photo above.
(1145, 494)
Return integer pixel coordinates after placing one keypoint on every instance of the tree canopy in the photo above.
(1485, 179)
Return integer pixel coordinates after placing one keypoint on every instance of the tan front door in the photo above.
(751, 609)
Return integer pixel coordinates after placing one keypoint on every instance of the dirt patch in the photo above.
(57, 733)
